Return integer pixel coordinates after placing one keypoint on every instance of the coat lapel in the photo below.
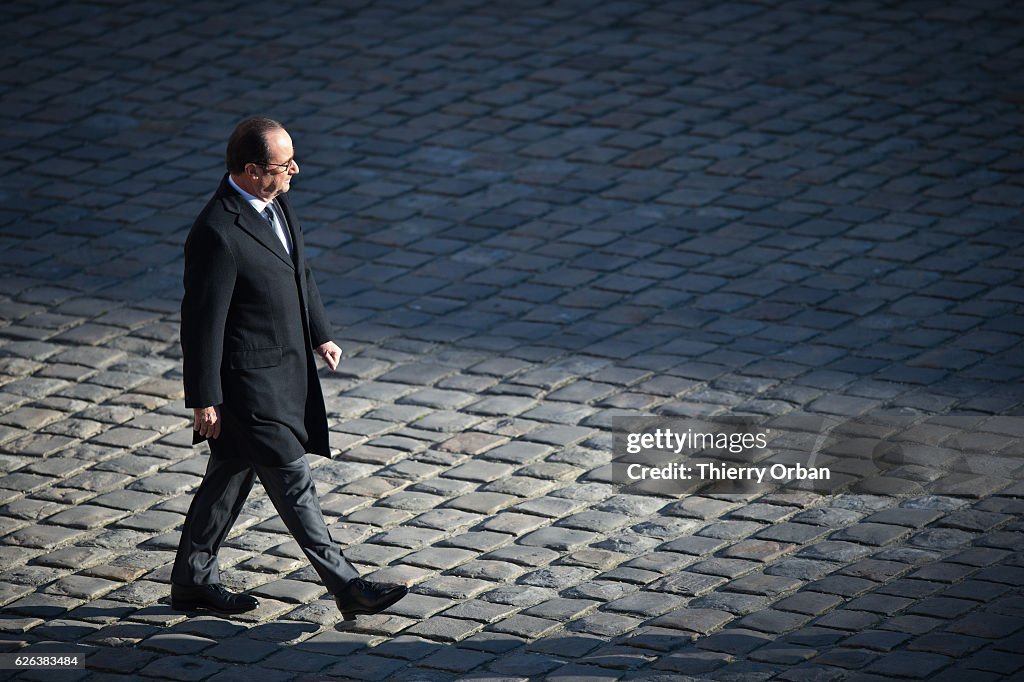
(292, 225)
(252, 223)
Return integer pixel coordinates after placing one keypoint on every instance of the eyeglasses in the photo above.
(285, 167)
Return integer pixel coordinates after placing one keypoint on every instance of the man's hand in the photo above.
(207, 421)
(331, 354)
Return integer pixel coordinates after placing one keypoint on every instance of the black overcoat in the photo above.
(250, 319)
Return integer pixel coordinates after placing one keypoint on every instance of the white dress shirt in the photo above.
(259, 205)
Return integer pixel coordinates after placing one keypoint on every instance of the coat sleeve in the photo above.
(209, 283)
(320, 330)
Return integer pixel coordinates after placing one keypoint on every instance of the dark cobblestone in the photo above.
(526, 221)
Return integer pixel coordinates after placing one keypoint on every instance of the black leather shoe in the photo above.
(214, 597)
(360, 597)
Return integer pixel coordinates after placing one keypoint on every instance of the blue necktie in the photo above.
(268, 213)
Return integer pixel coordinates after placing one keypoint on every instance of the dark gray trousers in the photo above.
(219, 500)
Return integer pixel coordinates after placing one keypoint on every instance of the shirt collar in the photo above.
(255, 202)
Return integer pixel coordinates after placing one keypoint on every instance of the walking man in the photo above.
(251, 319)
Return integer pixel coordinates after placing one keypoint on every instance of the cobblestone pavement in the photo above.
(527, 218)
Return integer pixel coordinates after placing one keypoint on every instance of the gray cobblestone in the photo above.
(444, 629)
(558, 539)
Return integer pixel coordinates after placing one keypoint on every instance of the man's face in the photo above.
(276, 176)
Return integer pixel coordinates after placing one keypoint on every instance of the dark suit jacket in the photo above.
(250, 319)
